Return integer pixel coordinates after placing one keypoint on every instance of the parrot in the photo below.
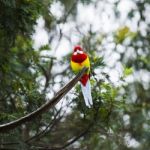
(80, 59)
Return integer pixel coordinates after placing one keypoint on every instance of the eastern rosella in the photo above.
(80, 59)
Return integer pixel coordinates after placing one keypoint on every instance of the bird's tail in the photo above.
(86, 90)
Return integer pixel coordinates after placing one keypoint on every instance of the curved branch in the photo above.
(51, 103)
(74, 139)
(48, 128)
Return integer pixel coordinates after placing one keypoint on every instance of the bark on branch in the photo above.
(45, 107)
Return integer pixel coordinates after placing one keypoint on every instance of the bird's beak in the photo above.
(78, 52)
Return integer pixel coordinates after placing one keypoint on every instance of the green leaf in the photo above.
(123, 33)
(96, 62)
(127, 71)
(44, 47)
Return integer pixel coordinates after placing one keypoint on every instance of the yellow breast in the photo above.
(76, 67)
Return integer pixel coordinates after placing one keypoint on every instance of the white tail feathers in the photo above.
(86, 90)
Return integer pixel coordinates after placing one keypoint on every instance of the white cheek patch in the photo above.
(75, 53)
(80, 52)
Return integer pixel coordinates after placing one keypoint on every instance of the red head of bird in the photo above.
(78, 55)
(77, 47)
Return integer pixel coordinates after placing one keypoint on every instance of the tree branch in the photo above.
(75, 138)
(45, 107)
(47, 129)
